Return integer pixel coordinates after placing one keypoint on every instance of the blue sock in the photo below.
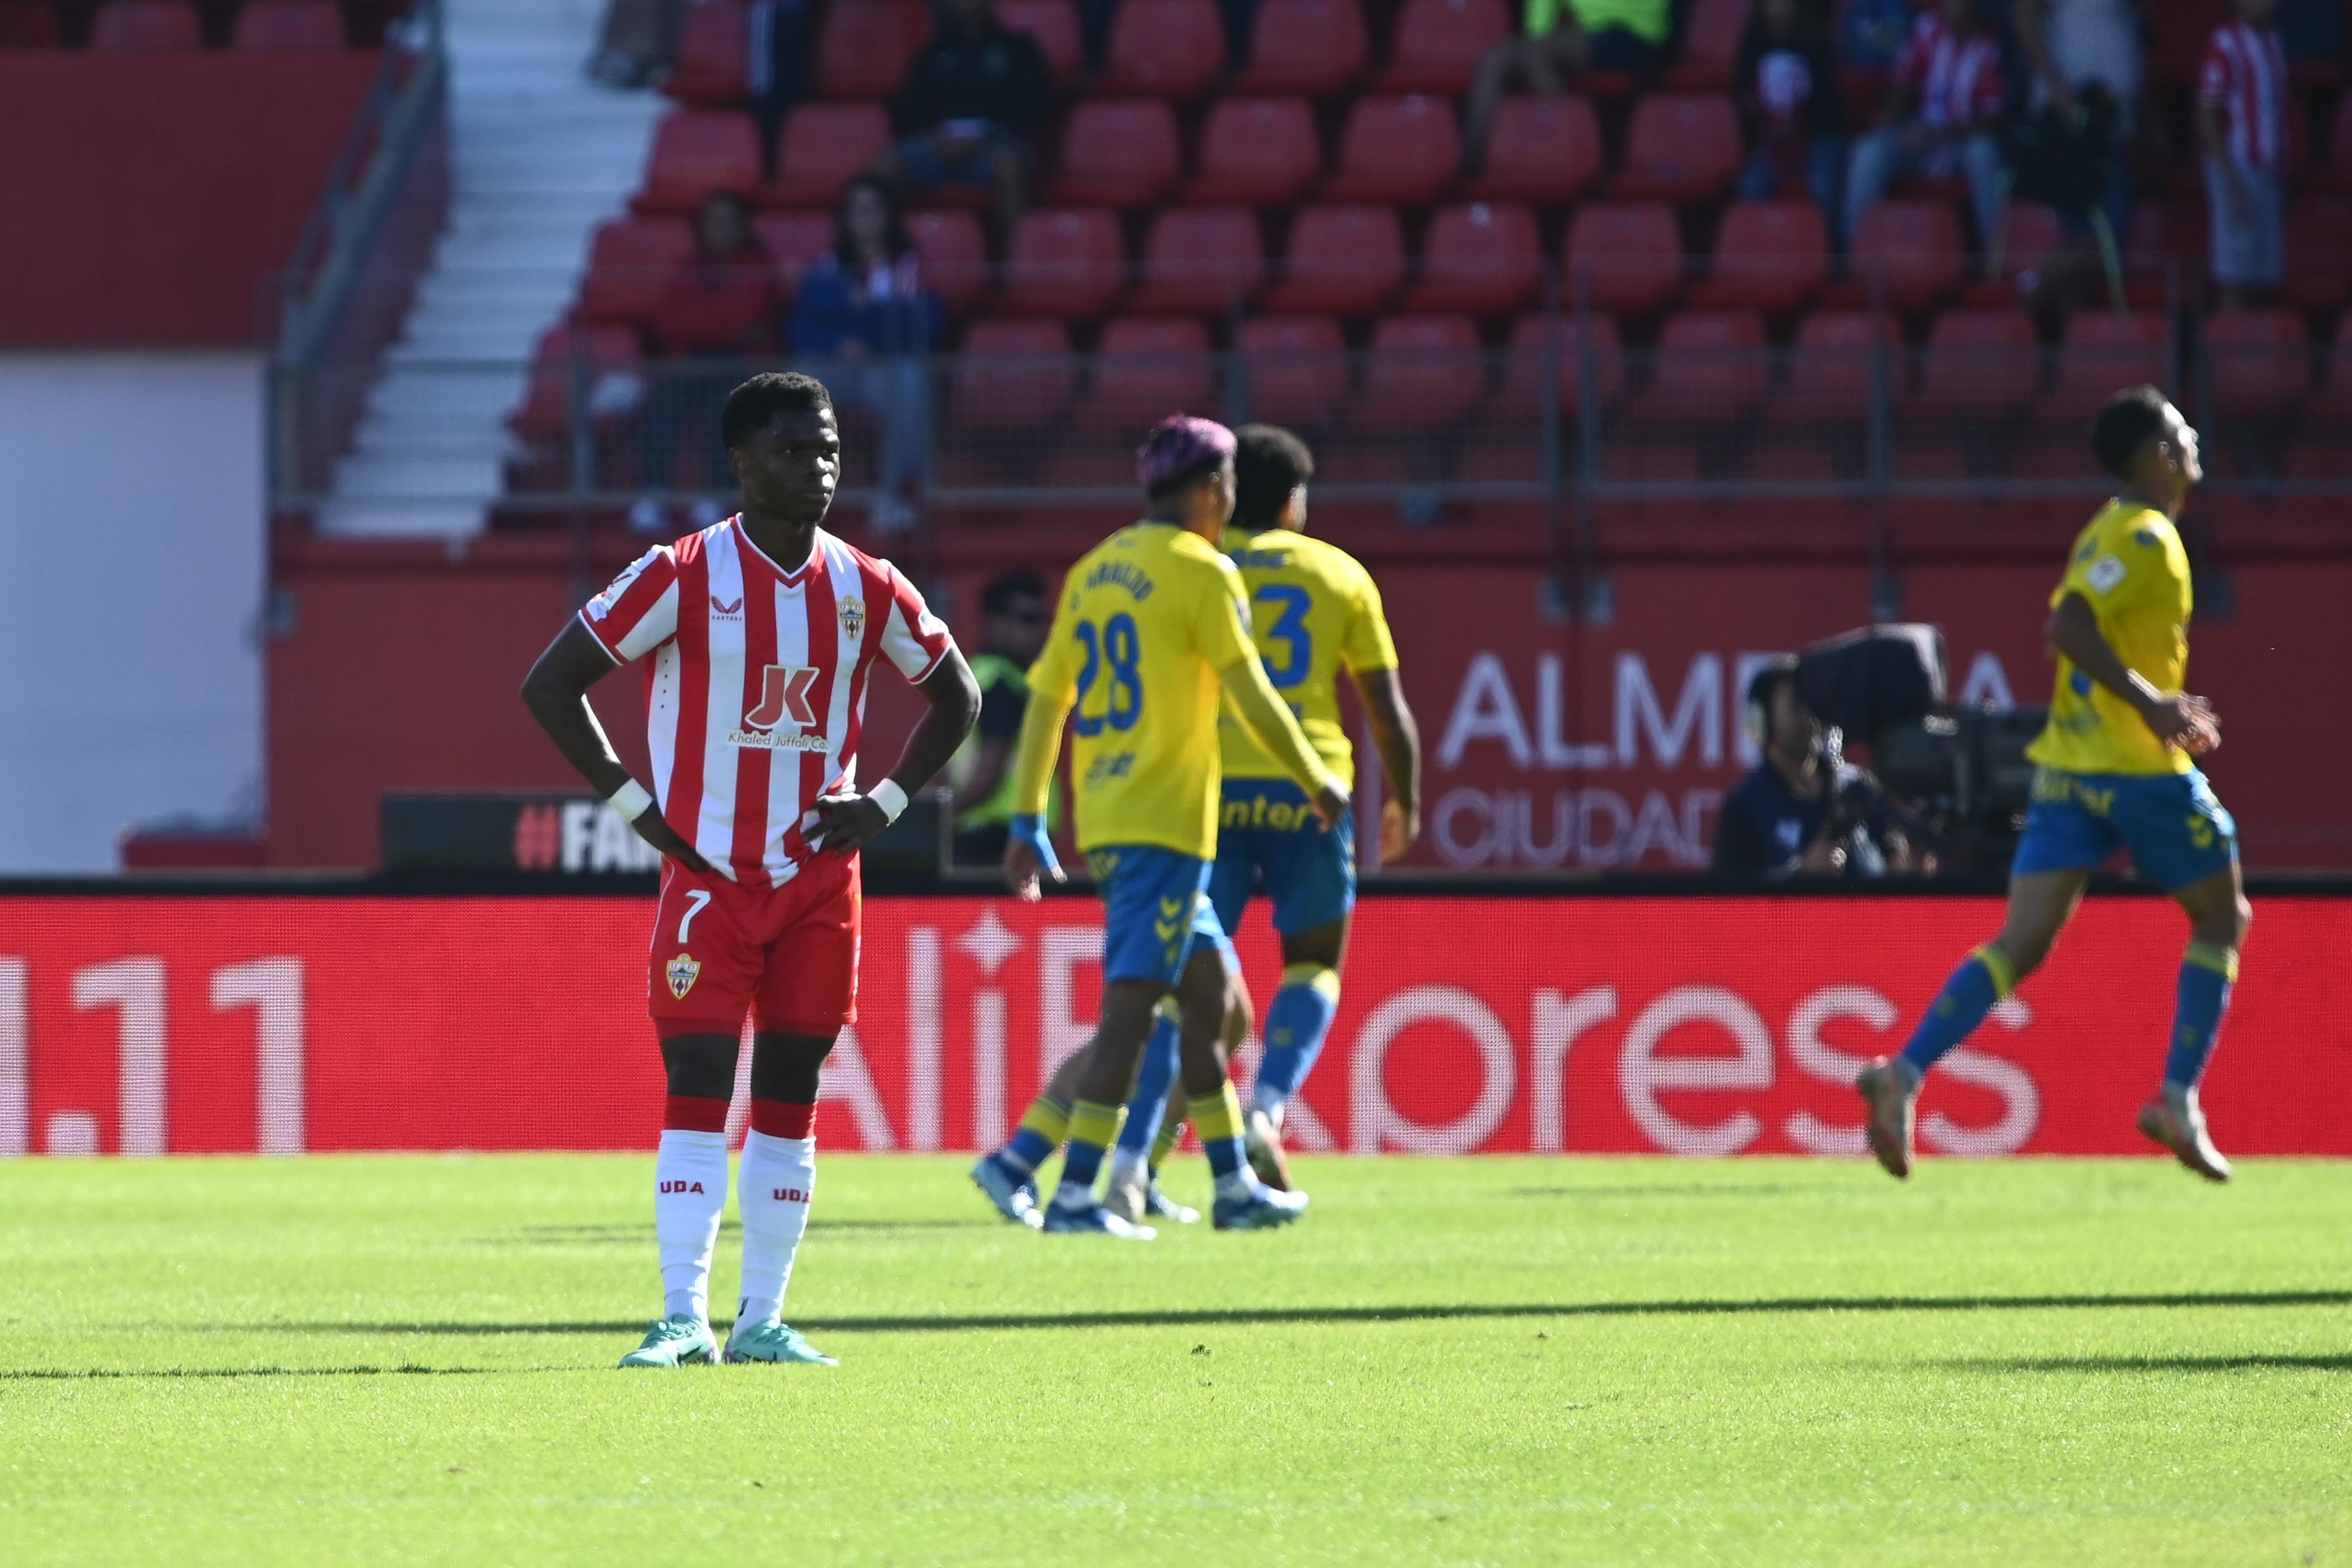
(1295, 1027)
(2206, 974)
(1148, 1103)
(1983, 978)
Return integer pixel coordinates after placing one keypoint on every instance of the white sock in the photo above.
(777, 1181)
(689, 1191)
(1238, 1184)
(1129, 1168)
(1073, 1195)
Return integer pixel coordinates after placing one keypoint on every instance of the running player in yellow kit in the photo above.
(2115, 769)
(1151, 626)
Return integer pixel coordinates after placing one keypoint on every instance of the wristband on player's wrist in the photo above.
(630, 800)
(889, 797)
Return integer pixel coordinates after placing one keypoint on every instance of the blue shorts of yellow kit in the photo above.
(2178, 832)
(1155, 905)
(1267, 835)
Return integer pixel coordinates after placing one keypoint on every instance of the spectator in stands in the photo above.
(638, 42)
(2242, 90)
(1789, 90)
(863, 308)
(1870, 33)
(1016, 612)
(2071, 151)
(718, 310)
(1942, 117)
(1564, 39)
(780, 56)
(972, 100)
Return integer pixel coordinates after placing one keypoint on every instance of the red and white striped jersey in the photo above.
(2244, 77)
(757, 687)
(1958, 79)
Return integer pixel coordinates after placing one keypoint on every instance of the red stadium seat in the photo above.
(1257, 152)
(1479, 259)
(1297, 368)
(1835, 363)
(1523, 361)
(287, 26)
(713, 65)
(1679, 147)
(1768, 256)
(795, 241)
(2103, 352)
(1145, 370)
(1540, 150)
(29, 25)
(1116, 153)
(823, 147)
(2257, 362)
(1053, 24)
(1708, 365)
(864, 46)
(2031, 234)
(2318, 252)
(629, 261)
(1012, 375)
(1625, 257)
(1711, 34)
(1405, 150)
(1984, 364)
(697, 152)
(1199, 261)
(1911, 250)
(146, 28)
(1439, 43)
(1070, 265)
(954, 254)
(1344, 261)
(1164, 48)
(1312, 47)
(1421, 372)
(563, 356)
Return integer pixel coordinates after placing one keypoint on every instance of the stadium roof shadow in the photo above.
(1175, 1317)
(70, 1375)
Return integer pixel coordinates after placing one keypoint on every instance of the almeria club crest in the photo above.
(853, 618)
(682, 972)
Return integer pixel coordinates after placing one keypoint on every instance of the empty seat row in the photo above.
(176, 26)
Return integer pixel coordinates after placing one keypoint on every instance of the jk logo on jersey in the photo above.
(681, 973)
(783, 702)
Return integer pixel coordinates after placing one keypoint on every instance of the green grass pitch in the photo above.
(410, 1360)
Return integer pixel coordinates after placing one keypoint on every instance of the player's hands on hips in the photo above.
(1400, 826)
(655, 829)
(1028, 855)
(847, 822)
(1331, 804)
(2185, 721)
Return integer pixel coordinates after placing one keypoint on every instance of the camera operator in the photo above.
(1803, 809)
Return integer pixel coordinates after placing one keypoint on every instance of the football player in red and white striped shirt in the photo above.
(2242, 90)
(1941, 117)
(760, 634)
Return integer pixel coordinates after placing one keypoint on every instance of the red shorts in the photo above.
(786, 955)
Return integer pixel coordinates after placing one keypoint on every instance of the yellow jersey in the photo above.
(2129, 564)
(1313, 609)
(1146, 621)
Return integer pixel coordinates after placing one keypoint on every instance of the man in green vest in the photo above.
(1564, 39)
(1015, 614)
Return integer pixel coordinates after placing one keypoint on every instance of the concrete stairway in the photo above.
(540, 155)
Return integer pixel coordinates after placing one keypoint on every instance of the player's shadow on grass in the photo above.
(1181, 1317)
(559, 1235)
(1676, 1189)
(76, 1374)
(2257, 1362)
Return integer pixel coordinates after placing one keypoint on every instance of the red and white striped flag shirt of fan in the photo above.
(2244, 77)
(757, 687)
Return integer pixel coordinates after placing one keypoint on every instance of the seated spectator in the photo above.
(637, 42)
(1870, 33)
(1564, 39)
(716, 318)
(2071, 151)
(865, 318)
(1942, 118)
(1789, 92)
(2242, 90)
(970, 101)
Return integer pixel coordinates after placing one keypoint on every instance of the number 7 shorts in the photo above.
(786, 955)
